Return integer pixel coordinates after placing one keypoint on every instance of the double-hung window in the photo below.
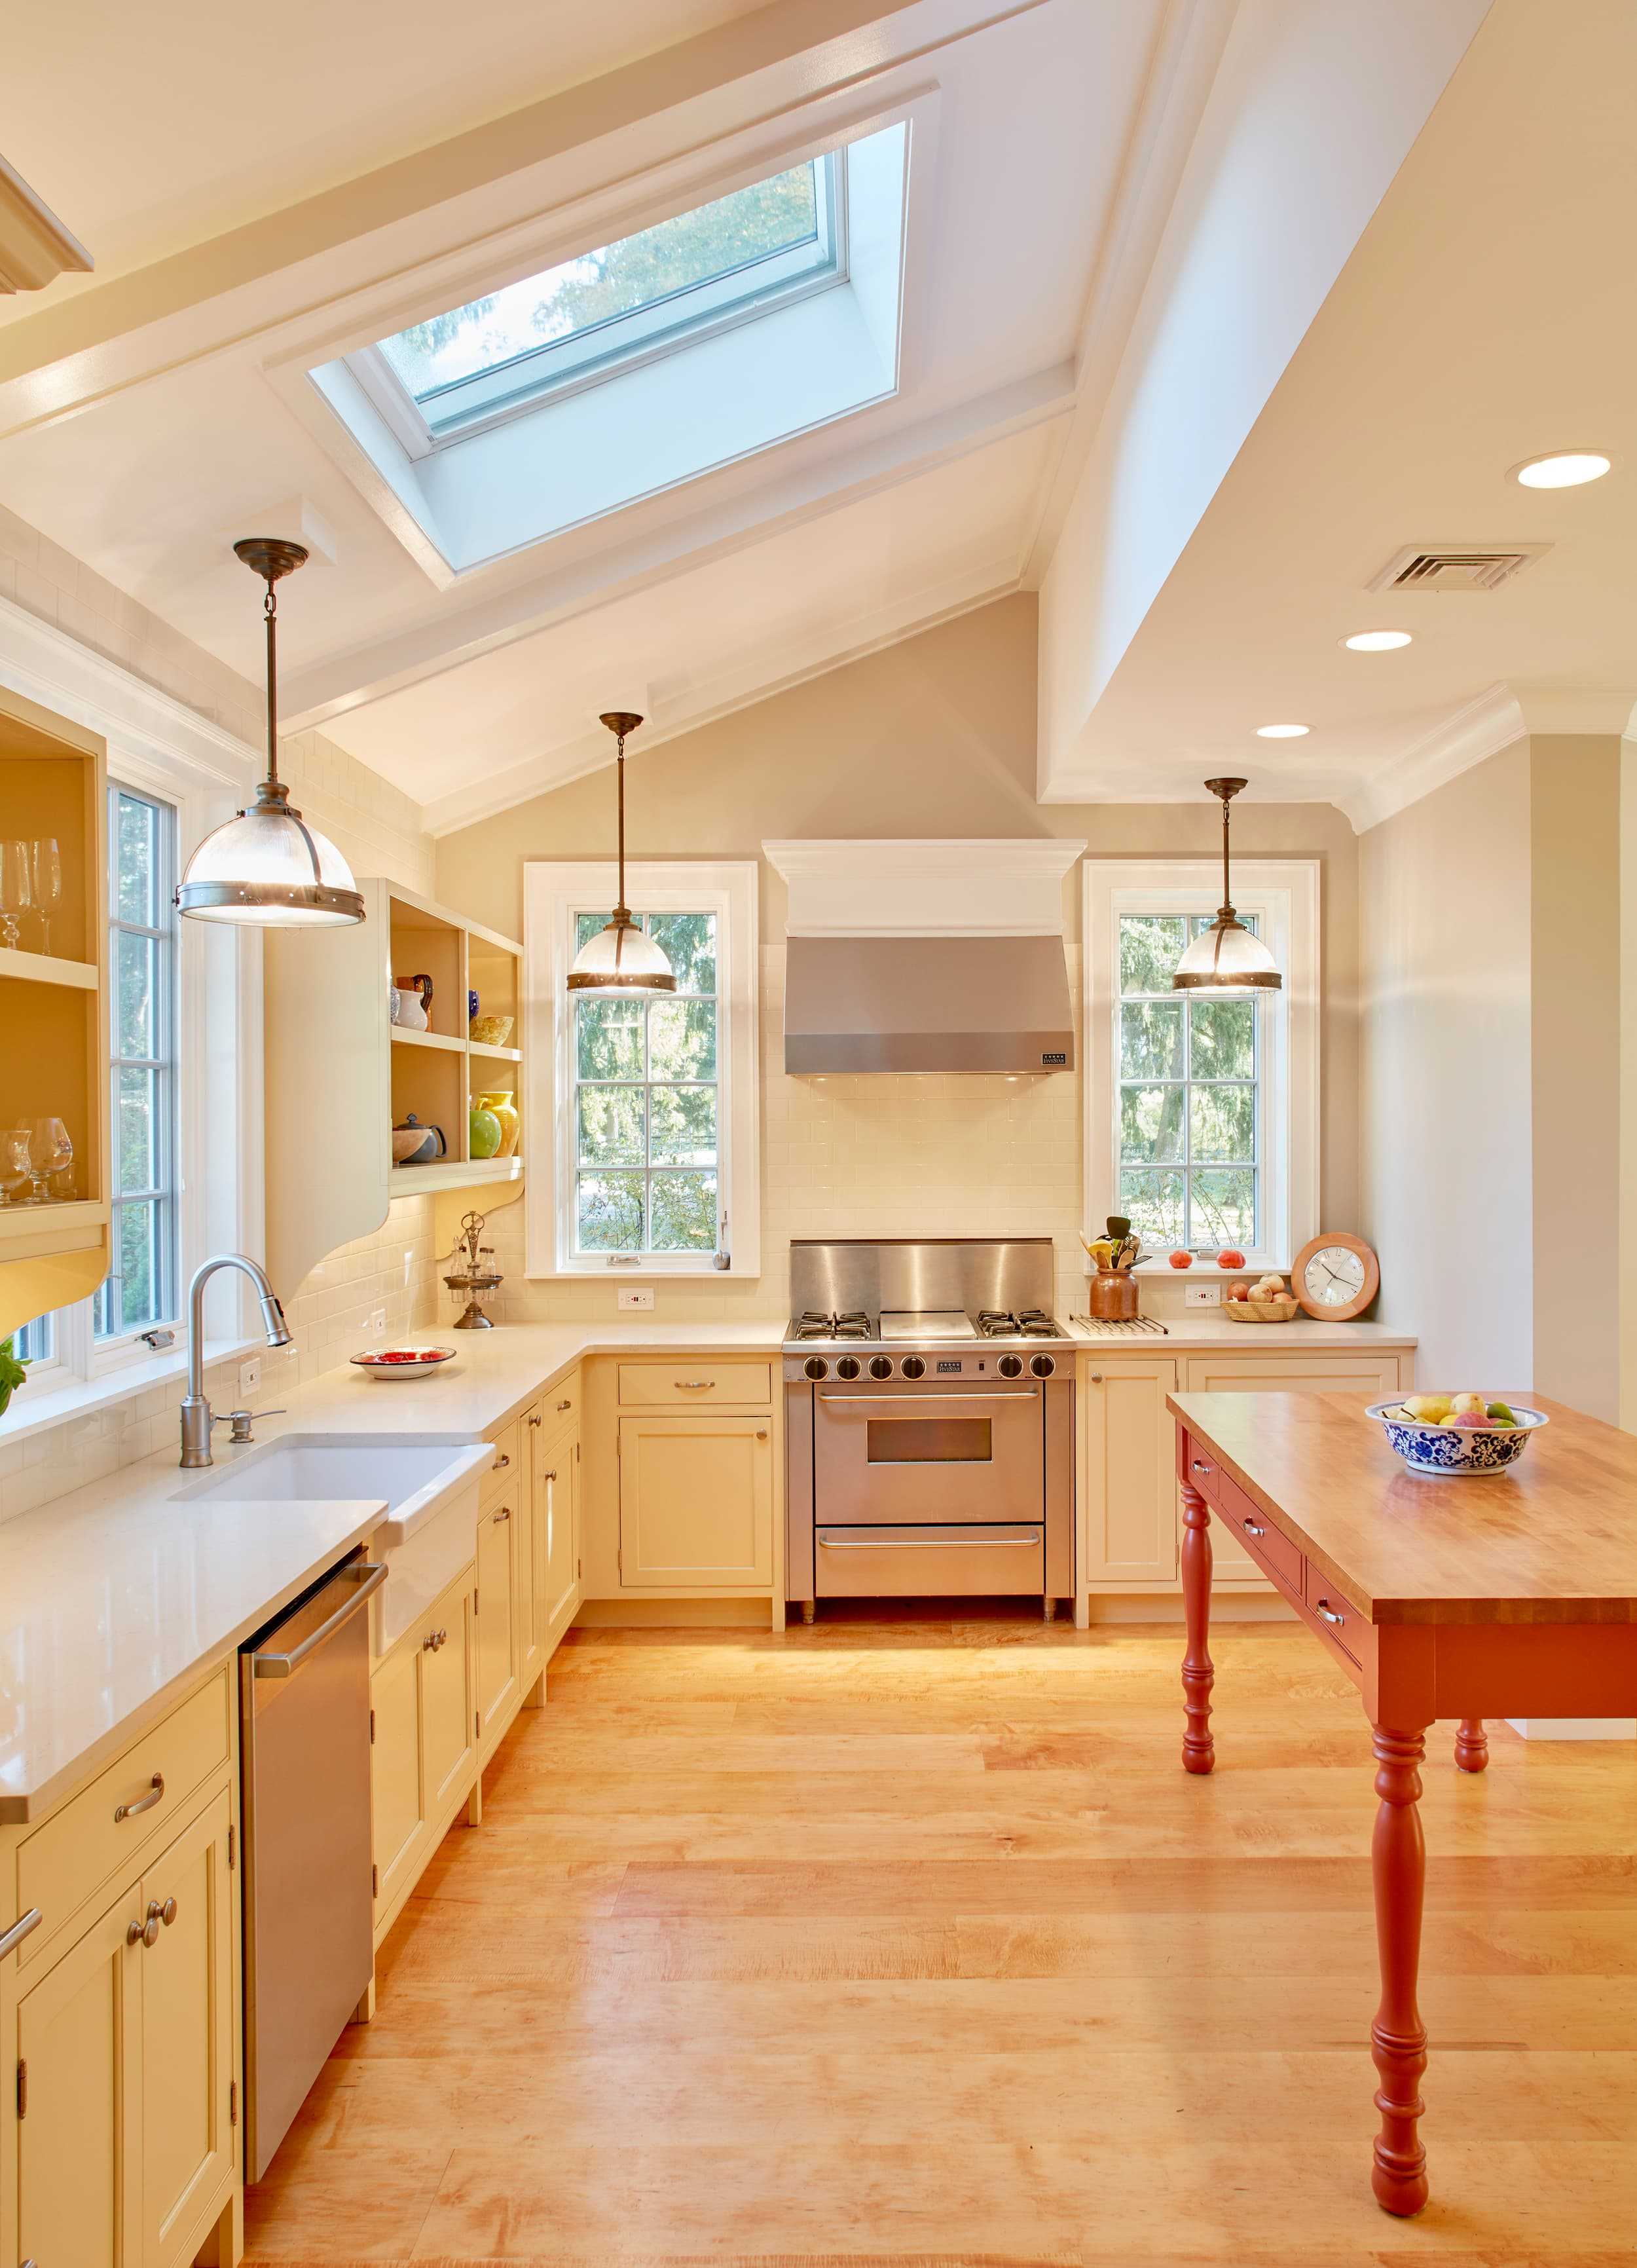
(141, 1288)
(642, 1124)
(1202, 1109)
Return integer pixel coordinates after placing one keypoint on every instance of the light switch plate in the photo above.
(636, 1298)
(1202, 1295)
(250, 1377)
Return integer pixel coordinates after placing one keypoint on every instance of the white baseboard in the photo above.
(1576, 1729)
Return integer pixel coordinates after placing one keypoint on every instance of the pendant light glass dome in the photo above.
(1227, 957)
(622, 959)
(266, 868)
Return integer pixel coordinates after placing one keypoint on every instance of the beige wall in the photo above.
(1446, 1073)
(932, 736)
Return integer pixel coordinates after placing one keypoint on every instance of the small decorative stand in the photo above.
(473, 1279)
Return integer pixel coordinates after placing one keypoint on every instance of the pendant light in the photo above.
(266, 868)
(622, 959)
(1227, 957)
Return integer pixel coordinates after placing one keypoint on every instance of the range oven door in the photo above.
(962, 1451)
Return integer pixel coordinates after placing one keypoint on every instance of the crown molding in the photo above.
(925, 886)
(35, 248)
(1480, 729)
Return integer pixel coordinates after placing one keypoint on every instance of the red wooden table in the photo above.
(1511, 1595)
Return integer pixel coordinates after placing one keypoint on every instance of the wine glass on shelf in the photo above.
(14, 1164)
(45, 882)
(16, 896)
(50, 1151)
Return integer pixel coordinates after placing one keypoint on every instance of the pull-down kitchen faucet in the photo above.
(197, 1419)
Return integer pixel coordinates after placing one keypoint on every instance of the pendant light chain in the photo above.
(269, 607)
(621, 912)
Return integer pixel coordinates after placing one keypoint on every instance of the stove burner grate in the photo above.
(854, 1324)
(1027, 1324)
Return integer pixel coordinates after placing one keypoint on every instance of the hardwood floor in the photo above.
(911, 1941)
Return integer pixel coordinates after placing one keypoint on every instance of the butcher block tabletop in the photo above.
(1552, 1539)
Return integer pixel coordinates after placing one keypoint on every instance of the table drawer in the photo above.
(1334, 1616)
(693, 1385)
(1265, 1543)
(83, 1847)
(1201, 1471)
(505, 1471)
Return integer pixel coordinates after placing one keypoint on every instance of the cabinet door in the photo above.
(187, 1980)
(497, 1661)
(695, 1502)
(1283, 1370)
(1131, 1470)
(556, 1540)
(447, 1740)
(79, 2045)
(528, 1633)
(398, 1812)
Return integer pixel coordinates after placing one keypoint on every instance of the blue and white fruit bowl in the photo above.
(1455, 1450)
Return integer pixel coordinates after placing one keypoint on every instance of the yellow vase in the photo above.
(510, 1125)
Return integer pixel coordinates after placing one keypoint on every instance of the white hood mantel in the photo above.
(926, 957)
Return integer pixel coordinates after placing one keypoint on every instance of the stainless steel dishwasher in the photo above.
(304, 1702)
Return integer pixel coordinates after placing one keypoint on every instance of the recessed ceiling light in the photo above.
(1377, 641)
(1568, 468)
(1281, 732)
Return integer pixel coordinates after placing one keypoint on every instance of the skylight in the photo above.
(641, 295)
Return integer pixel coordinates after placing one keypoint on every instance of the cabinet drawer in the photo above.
(80, 1848)
(1201, 1471)
(505, 1471)
(693, 1385)
(875, 1562)
(1259, 1536)
(557, 1407)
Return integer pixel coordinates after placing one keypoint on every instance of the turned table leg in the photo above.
(1397, 2037)
(1199, 1749)
(1472, 1744)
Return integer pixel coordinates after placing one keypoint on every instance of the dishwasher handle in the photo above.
(361, 1580)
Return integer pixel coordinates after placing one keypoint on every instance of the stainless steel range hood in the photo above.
(926, 1004)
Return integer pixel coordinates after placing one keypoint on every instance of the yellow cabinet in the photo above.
(423, 1757)
(125, 2065)
(1130, 1470)
(695, 1503)
(447, 1740)
(493, 1611)
(187, 1979)
(556, 1534)
(399, 1817)
(1283, 1370)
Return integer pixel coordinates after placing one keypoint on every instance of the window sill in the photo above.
(1207, 1271)
(35, 1412)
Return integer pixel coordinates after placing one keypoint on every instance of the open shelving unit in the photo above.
(340, 1074)
(54, 1009)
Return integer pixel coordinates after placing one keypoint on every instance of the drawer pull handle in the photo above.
(143, 1933)
(504, 1512)
(166, 1913)
(155, 1794)
(567, 1404)
(1327, 1613)
(1200, 1465)
(500, 1463)
(1250, 1528)
(692, 1385)
(18, 1931)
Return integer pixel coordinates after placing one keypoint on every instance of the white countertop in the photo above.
(1209, 1334)
(117, 1598)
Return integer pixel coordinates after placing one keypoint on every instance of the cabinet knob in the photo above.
(143, 1933)
(552, 1475)
(566, 1405)
(762, 1435)
(1095, 1378)
(535, 1418)
(155, 1794)
(503, 1513)
(500, 1463)
(166, 1913)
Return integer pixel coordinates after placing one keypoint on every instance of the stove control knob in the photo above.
(816, 1366)
(880, 1367)
(848, 1367)
(1042, 1365)
(1009, 1365)
(914, 1366)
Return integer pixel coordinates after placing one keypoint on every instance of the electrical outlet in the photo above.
(1202, 1295)
(250, 1377)
(636, 1297)
(376, 1322)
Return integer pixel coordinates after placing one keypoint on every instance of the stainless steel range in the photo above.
(929, 1421)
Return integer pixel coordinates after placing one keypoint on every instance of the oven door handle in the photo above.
(1029, 1541)
(906, 1402)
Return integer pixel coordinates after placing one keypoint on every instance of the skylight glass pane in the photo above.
(718, 239)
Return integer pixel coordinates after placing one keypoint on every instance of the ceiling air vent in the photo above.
(1456, 567)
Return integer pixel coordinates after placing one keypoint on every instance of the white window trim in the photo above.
(1283, 894)
(157, 744)
(553, 893)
